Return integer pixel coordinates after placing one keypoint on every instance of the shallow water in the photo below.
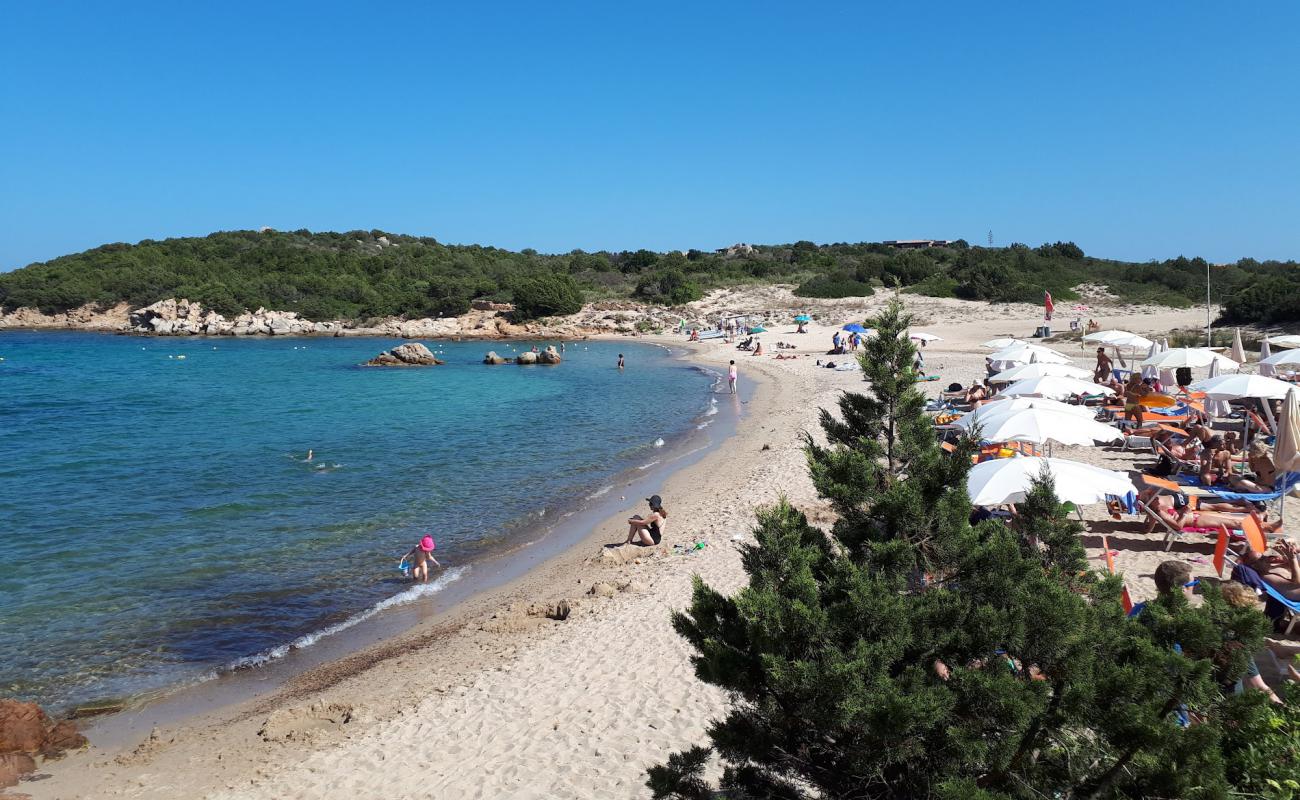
(159, 521)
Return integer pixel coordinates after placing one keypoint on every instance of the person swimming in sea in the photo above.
(620, 360)
(419, 557)
(310, 455)
(648, 531)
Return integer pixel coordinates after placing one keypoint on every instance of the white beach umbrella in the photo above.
(1004, 405)
(1040, 426)
(1164, 345)
(1290, 340)
(1189, 357)
(1266, 367)
(1002, 344)
(1279, 359)
(1007, 480)
(1055, 387)
(1121, 339)
(1024, 353)
(1240, 385)
(1286, 449)
(1216, 408)
(1237, 353)
(922, 336)
(1037, 370)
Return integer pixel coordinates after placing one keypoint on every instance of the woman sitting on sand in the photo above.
(648, 531)
(758, 348)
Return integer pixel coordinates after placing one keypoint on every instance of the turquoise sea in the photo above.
(159, 521)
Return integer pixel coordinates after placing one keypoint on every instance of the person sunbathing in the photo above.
(1281, 571)
(1181, 515)
(1264, 471)
(978, 393)
(1163, 503)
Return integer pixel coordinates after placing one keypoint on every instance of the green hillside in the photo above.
(368, 274)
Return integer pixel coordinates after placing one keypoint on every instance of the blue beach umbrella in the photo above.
(803, 318)
(854, 327)
(758, 329)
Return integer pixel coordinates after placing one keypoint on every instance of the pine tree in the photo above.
(907, 654)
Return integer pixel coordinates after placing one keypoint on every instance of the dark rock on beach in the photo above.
(412, 354)
(26, 731)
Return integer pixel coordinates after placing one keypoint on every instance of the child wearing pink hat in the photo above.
(418, 558)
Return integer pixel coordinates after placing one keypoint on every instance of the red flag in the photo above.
(1048, 307)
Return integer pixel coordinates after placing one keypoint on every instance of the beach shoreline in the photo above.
(498, 702)
(201, 710)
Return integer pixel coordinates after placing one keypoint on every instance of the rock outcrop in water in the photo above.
(526, 357)
(549, 356)
(493, 358)
(412, 354)
(27, 731)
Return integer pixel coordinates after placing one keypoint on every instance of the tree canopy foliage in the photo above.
(910, 654)
(365, 274)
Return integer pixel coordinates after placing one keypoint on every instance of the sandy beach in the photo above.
(495, 700)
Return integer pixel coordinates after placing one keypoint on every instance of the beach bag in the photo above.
(954, 387)
(1183, 376)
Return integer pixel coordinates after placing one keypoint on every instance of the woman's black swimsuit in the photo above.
(655, 535)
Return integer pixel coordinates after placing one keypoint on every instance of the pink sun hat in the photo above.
(426, 544)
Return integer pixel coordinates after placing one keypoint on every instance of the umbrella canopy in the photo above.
(1002, 344)
(1189, 357)
(1040, 426)
(1164, 345)
(1290, 340)
(1129, 341)
(922, 336)
(1286, 450)
(1239, 385)
(1266, 367)
(1055, 387)
(1024, 353)
(1279, 359)
(1007, 480)
(854, 327)
(803, 318)
(758, 329)
(1237, 353)
(1216, 408)
(1039, 370)
(1000, 405)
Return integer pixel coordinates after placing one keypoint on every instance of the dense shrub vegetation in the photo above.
(363, 274)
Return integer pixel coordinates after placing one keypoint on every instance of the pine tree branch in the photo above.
(1108, 777)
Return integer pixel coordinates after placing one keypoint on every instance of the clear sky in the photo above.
(1137, 129)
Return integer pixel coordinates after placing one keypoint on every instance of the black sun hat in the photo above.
(655, 501)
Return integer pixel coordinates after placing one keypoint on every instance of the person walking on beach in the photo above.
(731, 376)
(419, 557)
(620, 360)
(648, 531)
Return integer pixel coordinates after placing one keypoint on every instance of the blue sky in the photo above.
(1139, 130)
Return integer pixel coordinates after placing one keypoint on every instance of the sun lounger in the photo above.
(1250, 525)
(1180, 464)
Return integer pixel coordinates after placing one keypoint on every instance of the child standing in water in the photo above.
(731, 376)
(620, 360)
(419, 557)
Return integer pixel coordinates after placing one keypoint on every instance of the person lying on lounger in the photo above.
(1178, 502)
(1212, 515)
(1281, 570)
